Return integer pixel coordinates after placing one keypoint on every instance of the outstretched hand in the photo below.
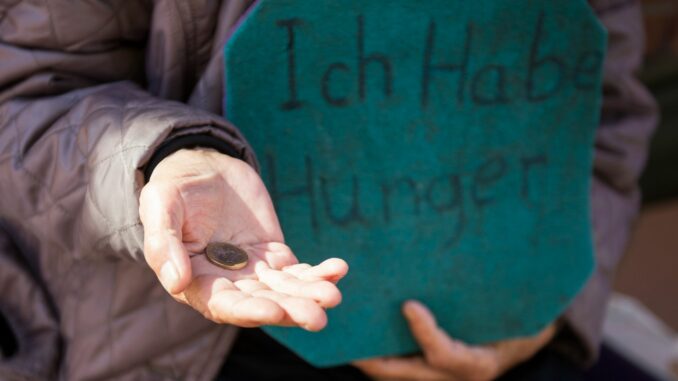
(446, 359)
(199, 196)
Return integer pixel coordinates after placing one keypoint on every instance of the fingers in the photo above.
(300, 312)
(402, 368)
(166, 255)
(292, 295)
(323, 292)
(424, 328)
(276, 254)
(250, 303)
(446, 358)
(331, 270)
(512, 352)
(442, 352)
(220, 301)
(161, 213)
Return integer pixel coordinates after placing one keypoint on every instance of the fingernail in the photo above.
(408, 308)
(169, 275)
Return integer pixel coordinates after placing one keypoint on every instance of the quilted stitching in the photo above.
(6, 7)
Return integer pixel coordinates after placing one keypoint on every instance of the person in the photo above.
(116, 170)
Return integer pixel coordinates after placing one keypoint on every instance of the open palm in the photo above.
(200, 196)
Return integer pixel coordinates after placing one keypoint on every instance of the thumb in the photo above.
(162, 214)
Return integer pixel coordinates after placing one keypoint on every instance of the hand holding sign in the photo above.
(199, 196)
(444, 358)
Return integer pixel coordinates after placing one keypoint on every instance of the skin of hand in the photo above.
(446, 359)
(199, 196)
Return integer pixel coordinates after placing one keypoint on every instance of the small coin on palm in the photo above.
(227, 256)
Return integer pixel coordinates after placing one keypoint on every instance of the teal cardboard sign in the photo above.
(442, 148)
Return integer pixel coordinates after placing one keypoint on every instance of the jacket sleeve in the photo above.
(628, 118)
(77, 129)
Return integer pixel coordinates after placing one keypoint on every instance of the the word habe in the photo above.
(544, 74)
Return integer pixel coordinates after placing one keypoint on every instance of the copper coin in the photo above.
(226, 255)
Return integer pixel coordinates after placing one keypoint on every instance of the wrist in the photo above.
(187, 163)
(188, 142)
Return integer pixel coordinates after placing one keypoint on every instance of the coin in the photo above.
(225, 255)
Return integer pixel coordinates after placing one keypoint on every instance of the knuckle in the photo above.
(491, 372)
(149, 191)
(487, 372)
(207, 314)
(206, 310)
(144, 194)
(153, 245)
(438, 360)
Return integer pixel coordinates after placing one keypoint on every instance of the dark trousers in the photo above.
(257, 357)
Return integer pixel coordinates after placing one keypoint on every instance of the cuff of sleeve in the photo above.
(574, 346)
(188, 141)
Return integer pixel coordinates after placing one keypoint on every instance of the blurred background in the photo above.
(642, 321)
